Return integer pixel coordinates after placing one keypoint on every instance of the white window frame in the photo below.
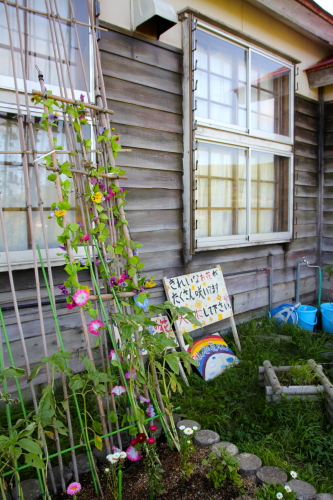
(23, 259)
(210, 131)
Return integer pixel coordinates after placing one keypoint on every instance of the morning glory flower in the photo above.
(150, 411)
(94, 326)
(132, 454)
(81, 297)
(143, 304)
(117, 390)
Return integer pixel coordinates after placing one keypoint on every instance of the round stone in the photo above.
(324, 496)
(187, 423)
(30, 488)
(303, 490)
(230, 448)
(82, 464)
(248, 464)
(273, 475)
(206, 438)
(68, 474)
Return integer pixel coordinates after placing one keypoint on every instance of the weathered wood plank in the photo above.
(303, 203)
(152, 179)
(305, 230)
(130, 47)
(305, 164)
(306, 136)
(306, 150)
(305, 121)
(328, 165)
(149, 159)
(305, 217)
(159, 241)
(153, 199)
(140, 116)
(137, 137)
(155, 221)
(327, 247)
(307, 191)
(301, 244)
(327, 218)
(133, 93)
(329, 179)
(305, 178)
(328, 231)
(154, 262)
(307, 107)
(136, 72)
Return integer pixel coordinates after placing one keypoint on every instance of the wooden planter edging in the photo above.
(276, 392)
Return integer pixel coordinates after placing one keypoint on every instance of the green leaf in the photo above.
(73, 226)
(52, 177)
(131, 272)
(30, 445)
(118, 250)
(113, 417)
(34, 372)
(34, 461)
(98, 442)
(97, 426)
(133, 260)
(172, 362)
(133, 430)
(76, 384)
(88, 364)
(76, 127)
(13, 372)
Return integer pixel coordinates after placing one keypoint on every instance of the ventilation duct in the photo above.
(153, 17)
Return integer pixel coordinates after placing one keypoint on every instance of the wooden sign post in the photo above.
(206, 294)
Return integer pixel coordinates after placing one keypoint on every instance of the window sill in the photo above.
(23, 259)
(239, 244)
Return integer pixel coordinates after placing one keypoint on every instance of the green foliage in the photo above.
(223, 470)
(275, 492)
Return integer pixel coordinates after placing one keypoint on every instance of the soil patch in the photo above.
(135, 482)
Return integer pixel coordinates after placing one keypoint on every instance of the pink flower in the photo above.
(81, 297)
(144, 400)
(151, 440)
(71, 305)
(85, 237)
(150, 411)
(94, 326)
(122, 278)
(113, 356)
(153, 428)
(131, 374)
(117, 390)
(116, 450)
(133, 454)
(81, 97)
(73, 488)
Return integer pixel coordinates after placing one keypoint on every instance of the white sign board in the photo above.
(203, 292)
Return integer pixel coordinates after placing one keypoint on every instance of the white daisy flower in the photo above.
(188, 431)
(279, 496)
(189, 442)
(195, 428)
(109, 457)
(114, 460)
(123, 455)
(116, 455)
(287, 488)
(293, 474)
(181, 427)
(106, 470)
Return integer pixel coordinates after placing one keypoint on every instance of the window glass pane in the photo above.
(12, 186)
(269, 193)
(38, 45)
(270, 82)
(221, 193)
(221, 79)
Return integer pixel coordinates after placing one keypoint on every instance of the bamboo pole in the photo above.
(70, 101)
(273, 380)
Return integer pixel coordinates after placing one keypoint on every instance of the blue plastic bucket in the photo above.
(327, 317)
(307, 317)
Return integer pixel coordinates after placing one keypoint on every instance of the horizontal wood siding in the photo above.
(327, 233)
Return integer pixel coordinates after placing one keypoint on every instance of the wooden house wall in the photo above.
(143, 83)
(327, 234)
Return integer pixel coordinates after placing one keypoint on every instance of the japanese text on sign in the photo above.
(204, 292)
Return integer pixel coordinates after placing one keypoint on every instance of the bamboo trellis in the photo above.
(32, 158)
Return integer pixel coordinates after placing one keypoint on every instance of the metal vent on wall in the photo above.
(153, 17)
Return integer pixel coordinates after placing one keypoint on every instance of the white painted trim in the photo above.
(23, 259)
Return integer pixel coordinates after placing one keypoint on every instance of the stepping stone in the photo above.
(231, 448)
(248, 464)
(82, 463)
(206, 438)
(303, 490)
(187, 423)
(100, 455)
(68, 474)
(273, 475)
(324, 496)
(30, 488)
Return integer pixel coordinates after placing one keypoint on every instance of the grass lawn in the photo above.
(291, 435)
